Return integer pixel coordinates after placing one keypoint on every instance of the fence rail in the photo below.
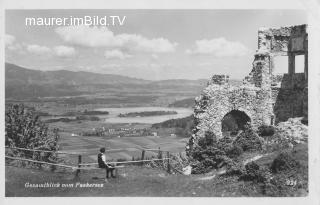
(127, 162)
(39, 150)
(80, 164)
(70, 153)
(41, 162)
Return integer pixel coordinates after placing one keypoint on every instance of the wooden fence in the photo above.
(91, 166)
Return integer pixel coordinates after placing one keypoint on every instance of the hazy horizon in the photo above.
(114, 74)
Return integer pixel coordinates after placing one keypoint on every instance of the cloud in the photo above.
(218, 47)
(11, 43)
(38, 50)
(59, 51)
(154, 56)
(103, 37)
(64, 51)
(116, 54)
(9, 39)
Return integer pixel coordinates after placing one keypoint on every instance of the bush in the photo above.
(208, 156)
(234, 152)
(225, 144)
(284, 162)
(202, 167)
(210, 138)
(266, 130)
(234, 168)
(211, 154)
(25, 130)
(248, 140)
(253, 172)
(225, 141)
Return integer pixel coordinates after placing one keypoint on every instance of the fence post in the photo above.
(160, 154)
(142, 156)
(168, 156)
(79, 162)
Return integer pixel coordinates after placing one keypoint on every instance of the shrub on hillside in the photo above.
(234, 168)
(23, 129)
(284, 162)
(207, 155)
(178, 162)
(210, 139)
(234, 151)
(212, 154)
(266, 130)
(225, 144)
(248, 140)
(253, 172)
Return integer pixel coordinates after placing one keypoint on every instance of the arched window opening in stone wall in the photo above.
(233, 122)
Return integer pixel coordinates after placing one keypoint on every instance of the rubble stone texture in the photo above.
(264, 97)
(293, 130)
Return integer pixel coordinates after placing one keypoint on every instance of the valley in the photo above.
(93, 110)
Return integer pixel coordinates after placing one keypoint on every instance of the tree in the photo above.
(23, 129)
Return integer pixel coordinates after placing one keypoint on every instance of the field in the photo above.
(125, 147)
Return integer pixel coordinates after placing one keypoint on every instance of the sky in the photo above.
(151, 44)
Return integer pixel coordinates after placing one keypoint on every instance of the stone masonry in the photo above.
(264, 98)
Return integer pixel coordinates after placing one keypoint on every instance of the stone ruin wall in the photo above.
(264, 97)
(290, 90)
(291, 99)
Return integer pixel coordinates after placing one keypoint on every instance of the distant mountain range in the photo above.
(23, 83)
(188, 102)
(20, 75)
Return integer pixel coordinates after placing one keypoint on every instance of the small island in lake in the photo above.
(76, 119)
(85, 112)
(147, 113)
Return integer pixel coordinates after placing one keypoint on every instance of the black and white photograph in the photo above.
(118, 102)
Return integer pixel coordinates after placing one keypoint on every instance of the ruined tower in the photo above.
(264, 98)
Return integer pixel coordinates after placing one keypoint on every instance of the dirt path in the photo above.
(212, 175)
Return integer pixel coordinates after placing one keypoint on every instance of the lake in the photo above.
(114, 112)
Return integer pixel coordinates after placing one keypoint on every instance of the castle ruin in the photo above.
(263, 98)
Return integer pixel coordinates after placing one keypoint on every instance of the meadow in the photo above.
(124, 147)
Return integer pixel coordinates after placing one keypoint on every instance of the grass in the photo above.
(146, 182)
(90, 146)
(131, 181)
